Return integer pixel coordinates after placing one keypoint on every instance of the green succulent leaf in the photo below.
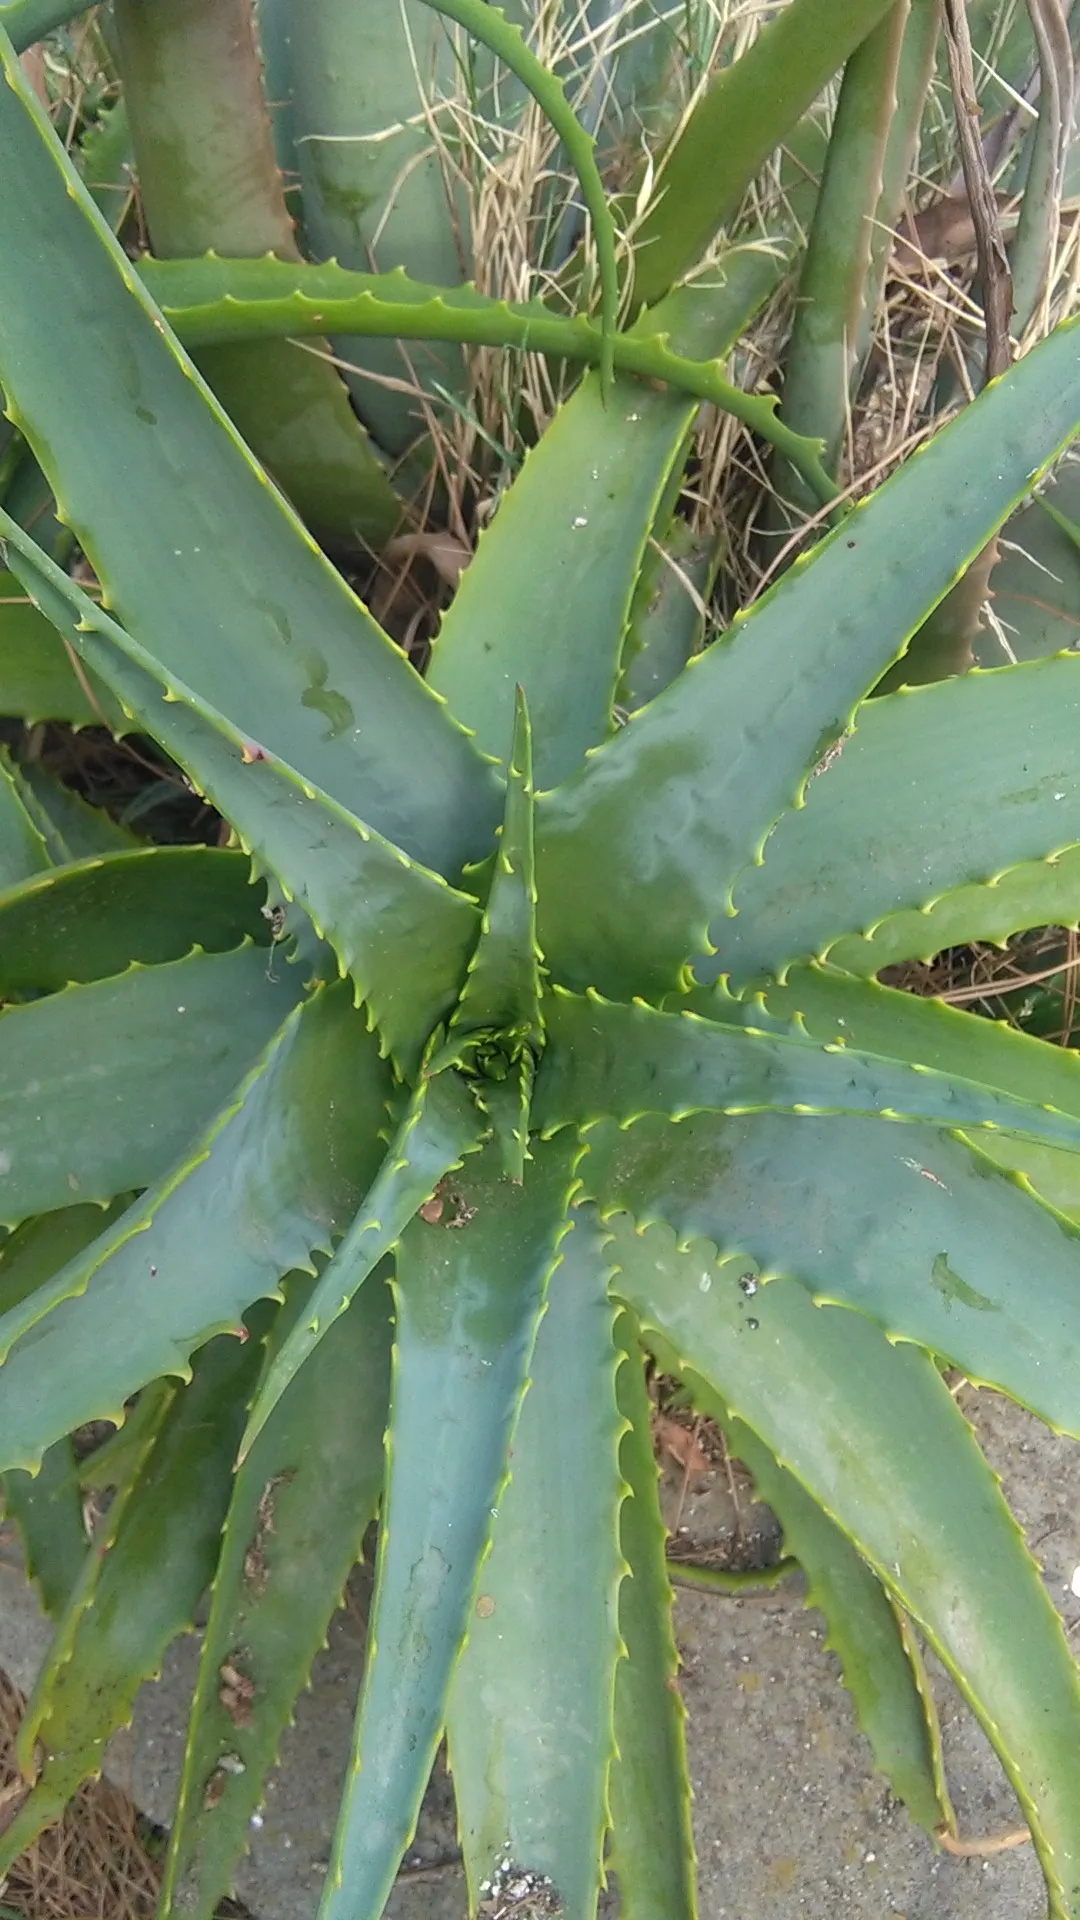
(47, 1512)
(97, 916)
(23, 851)
(652, 1846)
(117, 1075)
(301, 1504)
(360, 892)
(72, 829)
(30, 20)
(587, 498)
(238, 602)
(602, 1058)
(441, 1126)
(468, 1297)
(916, 1231)
(544, 1638)
(37, 678)
(142, 1590)
(1035, 585)
(872, 1432)
(863, 873)
(277, 1174)
(747, 110)
(639, 851)
(878, 1660)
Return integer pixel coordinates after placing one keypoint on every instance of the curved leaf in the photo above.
(97, 916)
(603, 1059)
(916, 1231)
(863, 873)
(469, 1295)
(442, 1124)
(872, 1432)
(277, 1175)
(652, 1845)
(301, 1504)
(102, 1086)
(72, 829)
(879, 1665)
(144, 1587)
(22, 844)
(236, 599)
(364, 894)
(544, 1639)
(651, 835)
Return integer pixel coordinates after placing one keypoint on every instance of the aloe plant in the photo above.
(351, 1170)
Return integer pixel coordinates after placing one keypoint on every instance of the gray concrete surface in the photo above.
(792, 1824)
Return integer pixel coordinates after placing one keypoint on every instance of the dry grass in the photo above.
(94, 1865)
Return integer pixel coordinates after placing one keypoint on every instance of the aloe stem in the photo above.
(1040, 210)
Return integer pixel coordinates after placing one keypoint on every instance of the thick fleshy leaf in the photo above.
(887, 1686)
(863, 873)
(22, 844)
(1035, 585)
(652, 1845)
(872, 1432)
(604, 1059)
(236, 600)
(301, 1504)
(97, 916)
(47, 1512)
(587, 499)
(442, 1124)
(208, 178)
(544, 1638)
(469, 1295)
(73, 830)
(143, 1589)
(361, 892)
(742, 115)
(37, 679)
(916, 1231)
(639, 852)
(276, 1175)
(102, 1086)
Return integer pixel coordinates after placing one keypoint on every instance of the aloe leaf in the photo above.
(96, 917)
(145, 1585)
(150, 1054)
(544, 1636)
(208, 177)
(888, 1688)
(667, 615)
(863, 874)
(1038, 226)
(275, 1176)
(104, 158)
(695, 761)
(301, 1504)
(23, 852)
(916, 1231)
(40, 1247)
(744, 113)
(605, 1059)
(72, 829)
(829, 306)
(442, 1125)
(652, 1845)
(37, 679)
(360, 891)
(47, 1512)
(276, 640)
(587, 498)
(914, 76)
(497, 1027)
(1035, 586)
(872, 1432)
(468, 1298)
(213, 300)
